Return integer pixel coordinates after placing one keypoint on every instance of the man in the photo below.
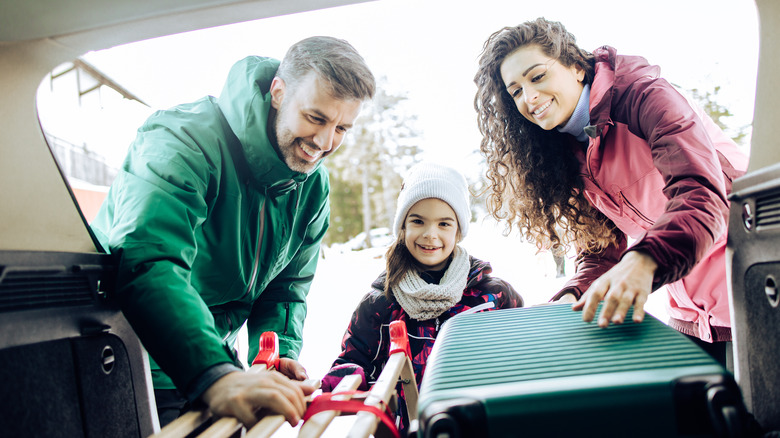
(216, 220)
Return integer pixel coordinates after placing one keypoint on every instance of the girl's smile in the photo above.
(430, 232)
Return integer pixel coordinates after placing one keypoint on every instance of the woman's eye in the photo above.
(538, 77)
(516, 93)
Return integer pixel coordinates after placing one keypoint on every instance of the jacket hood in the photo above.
(611, 68)
(246, 103)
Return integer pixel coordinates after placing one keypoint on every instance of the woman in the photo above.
(602, 147)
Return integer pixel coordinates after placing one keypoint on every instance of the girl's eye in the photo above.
(538, 77)
(517, 92)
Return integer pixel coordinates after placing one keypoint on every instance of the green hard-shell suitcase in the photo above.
(543, 372)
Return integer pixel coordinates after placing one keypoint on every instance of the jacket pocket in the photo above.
(286, 318)
(635, 210)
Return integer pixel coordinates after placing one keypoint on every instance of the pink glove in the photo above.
(338, 372)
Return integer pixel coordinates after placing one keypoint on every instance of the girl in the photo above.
(600, 145)
(429, 279)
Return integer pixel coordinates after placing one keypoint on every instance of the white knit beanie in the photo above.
(431, 180)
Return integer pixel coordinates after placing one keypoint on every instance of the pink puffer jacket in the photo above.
(660, 169)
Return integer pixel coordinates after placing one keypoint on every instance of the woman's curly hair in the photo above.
(535, 180)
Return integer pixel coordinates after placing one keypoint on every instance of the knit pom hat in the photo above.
(431, 180)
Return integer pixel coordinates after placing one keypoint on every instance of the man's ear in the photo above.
(277, 92)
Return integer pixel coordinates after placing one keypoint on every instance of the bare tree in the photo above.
(376, 152)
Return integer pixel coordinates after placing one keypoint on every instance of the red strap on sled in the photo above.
(399, 340)
(325, 402)
(269, 351)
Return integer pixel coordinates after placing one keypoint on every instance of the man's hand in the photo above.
(628, 283)
(292, 369)
(241, 395)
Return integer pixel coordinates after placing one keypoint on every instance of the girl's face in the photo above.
(430, 232)
(544, 90)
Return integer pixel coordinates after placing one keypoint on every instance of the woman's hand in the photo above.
(628, 283)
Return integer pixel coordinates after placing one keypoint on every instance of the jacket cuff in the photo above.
(567, 290)
(207, 378)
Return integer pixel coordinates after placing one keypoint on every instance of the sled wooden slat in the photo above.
(316, 425)
(266, 427)
(380, 394)
(398, 367)
(184, 425)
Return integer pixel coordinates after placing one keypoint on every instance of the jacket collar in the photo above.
(246, 104)
(614, 74)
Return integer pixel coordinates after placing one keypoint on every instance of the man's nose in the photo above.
(324, 138)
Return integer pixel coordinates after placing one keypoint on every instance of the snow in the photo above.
(343, 278)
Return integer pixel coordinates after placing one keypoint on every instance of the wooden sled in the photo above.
(369, 409)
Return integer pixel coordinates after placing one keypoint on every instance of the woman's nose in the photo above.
(530, 94)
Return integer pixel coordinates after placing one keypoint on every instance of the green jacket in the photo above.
(211, 229)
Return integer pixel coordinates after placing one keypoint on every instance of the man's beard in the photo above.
(288, 145)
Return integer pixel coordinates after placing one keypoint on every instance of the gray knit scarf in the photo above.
(422, 300)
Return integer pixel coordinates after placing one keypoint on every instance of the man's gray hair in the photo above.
(335, 61)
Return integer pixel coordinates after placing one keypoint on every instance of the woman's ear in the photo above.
(277, 92)
(579, 72)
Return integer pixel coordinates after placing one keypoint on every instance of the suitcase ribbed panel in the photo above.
(550, 342)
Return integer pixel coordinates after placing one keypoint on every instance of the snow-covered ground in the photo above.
(343, 278)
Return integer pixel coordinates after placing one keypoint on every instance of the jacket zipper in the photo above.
(634, 209)
(589, 171)
(230, 327)
(256, 264)
(286, 317)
